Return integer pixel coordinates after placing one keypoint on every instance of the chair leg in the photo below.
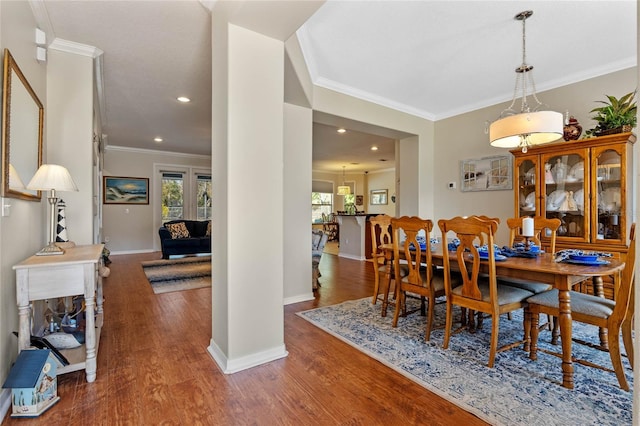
(495, 326)
(376, 288)
(535, 330)
(555, 333)
(399, 305)
(432, 303)
(386, 289)
(613, 339)
(527, 329)
(627, 338)
(448, 325)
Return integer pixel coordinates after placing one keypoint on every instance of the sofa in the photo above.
(191, 238)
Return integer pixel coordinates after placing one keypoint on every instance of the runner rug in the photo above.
(517, 391)
(186, 273)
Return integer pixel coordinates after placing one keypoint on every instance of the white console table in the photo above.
(73, 273)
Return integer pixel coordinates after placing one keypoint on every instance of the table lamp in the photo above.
(52, 178)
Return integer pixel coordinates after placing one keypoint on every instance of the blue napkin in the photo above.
(453, 245)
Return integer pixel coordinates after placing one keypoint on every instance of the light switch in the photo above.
(6, 207)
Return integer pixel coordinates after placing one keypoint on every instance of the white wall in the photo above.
(70, 136)
(417, 188)
(131, 228)
(297, 210)
(358, 179)
(384, 179)
(22, 232)
(462, 137)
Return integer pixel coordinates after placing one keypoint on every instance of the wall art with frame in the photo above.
(486, 174)
(125, 190)
(378, 196)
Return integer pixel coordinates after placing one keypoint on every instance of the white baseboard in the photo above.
(233, 366)
(133, 251)
(299, 298)
(5, 402)
(351, 256)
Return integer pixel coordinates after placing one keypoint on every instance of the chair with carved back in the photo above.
(615, 316)
(382, 264)
(422, 279)
(478, 293)
(541, 226)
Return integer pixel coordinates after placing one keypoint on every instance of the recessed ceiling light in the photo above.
(157, 139)
(374, 148)
(184, 99)
(341, 130)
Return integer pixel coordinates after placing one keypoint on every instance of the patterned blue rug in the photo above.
(517, 391)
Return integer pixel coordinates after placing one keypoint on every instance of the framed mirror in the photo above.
(22, 123)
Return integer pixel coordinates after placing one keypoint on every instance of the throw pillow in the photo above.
(178, 230)
(208, 233)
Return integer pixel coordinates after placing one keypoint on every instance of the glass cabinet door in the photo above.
(566, 193)
(526, 169)
(609, 195)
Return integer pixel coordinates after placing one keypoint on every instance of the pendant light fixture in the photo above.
(344, 189)
(529, 126)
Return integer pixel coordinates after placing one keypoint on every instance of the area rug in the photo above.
(186, 273)
(517, 391)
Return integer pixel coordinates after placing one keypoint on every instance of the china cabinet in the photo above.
(586, 184)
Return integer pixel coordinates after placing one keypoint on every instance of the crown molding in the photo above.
(63, 45)
(41, 16)
(154, 151)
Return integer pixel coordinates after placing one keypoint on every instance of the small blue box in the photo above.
(33, 383)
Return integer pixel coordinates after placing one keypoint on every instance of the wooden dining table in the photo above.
(543, 268)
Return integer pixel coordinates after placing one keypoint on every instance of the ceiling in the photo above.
(433, 59)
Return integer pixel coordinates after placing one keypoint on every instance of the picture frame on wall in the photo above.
(486, 174)
(125, 190)
(378, 196)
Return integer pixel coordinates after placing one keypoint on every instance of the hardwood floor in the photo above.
(154, 368)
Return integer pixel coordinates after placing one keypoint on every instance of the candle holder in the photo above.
(527, 244)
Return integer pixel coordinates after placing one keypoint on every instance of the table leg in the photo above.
(598, 290)
(90, 339)
(24, 327)
(566, 331)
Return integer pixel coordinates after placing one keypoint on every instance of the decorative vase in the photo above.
(572, 130)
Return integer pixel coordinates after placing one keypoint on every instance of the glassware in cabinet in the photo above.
(609, 186)
(526, 172)
(565, 191)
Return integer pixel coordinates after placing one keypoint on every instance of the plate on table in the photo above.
(587, 262)
(584, 257)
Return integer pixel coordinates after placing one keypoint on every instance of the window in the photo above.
(172, 196)
(203, 197)
(321, 203)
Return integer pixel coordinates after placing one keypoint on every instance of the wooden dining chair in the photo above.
(477, 293)
(422, 278)
(615, 316)
(382, 263)
(540, 227)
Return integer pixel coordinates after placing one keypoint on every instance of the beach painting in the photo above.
(125, 190)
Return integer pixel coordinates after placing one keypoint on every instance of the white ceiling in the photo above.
(433, 59)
